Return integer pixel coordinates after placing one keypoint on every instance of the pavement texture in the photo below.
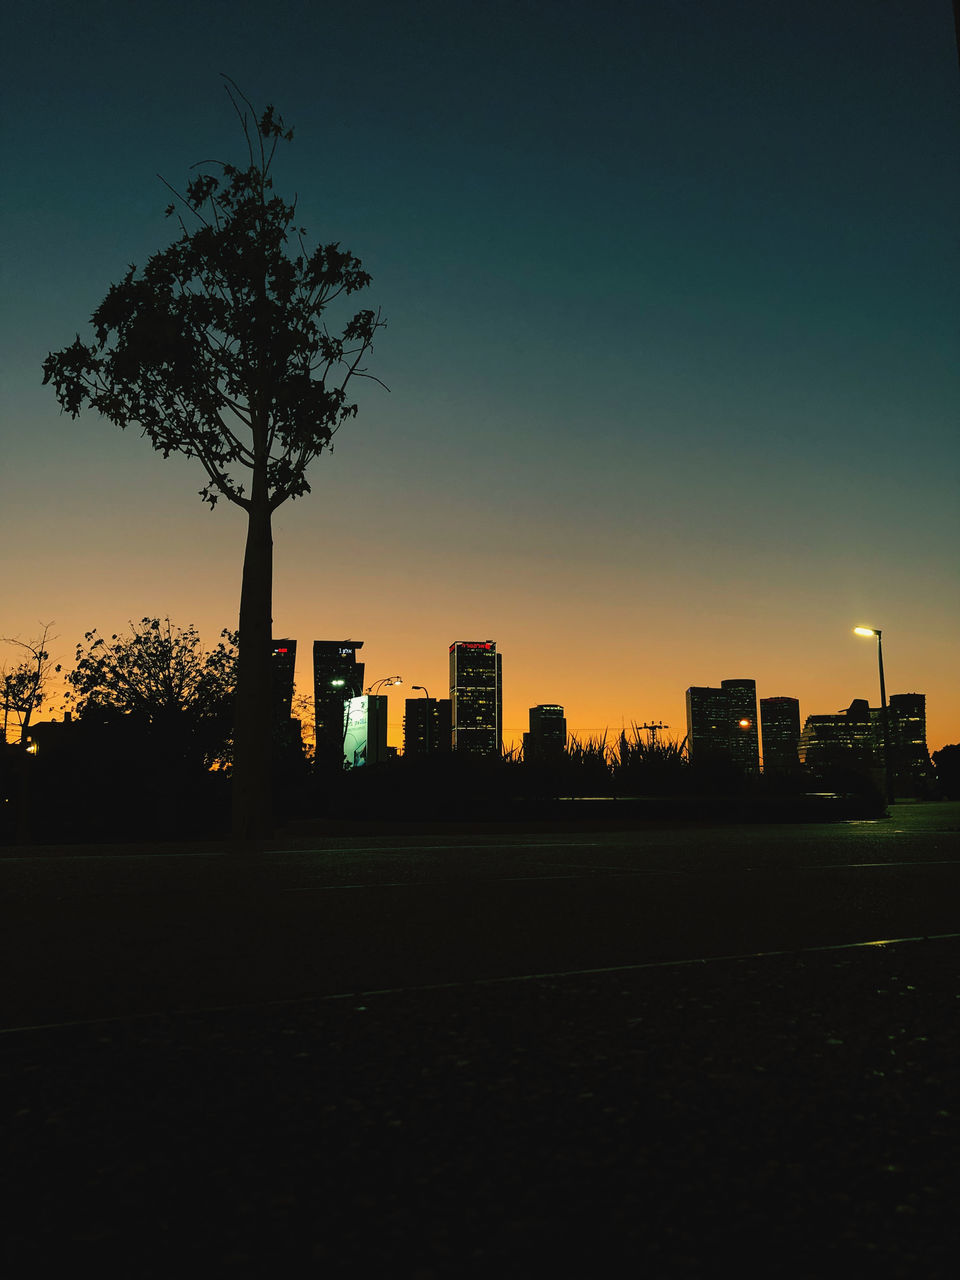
(791, 1113)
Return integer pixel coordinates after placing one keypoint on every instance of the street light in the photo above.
(875, 631)
(386, 680)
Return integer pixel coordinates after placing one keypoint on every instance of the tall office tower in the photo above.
(337, 676)
(548, 733)
(476, 695)
(427, 726)
(780, 731)
(722, 724)
(284, 654)
(907, 718)
(708, 728)
(742, 719)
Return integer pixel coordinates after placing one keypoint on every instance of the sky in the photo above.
(672, 304)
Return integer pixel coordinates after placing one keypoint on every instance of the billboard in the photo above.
(364, 730)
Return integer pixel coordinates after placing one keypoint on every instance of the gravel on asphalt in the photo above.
(786, 1115)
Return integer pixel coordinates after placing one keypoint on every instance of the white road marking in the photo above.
(269, 853)
(475, 982)
(620, 873)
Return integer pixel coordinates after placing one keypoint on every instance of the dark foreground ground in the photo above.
(788, 1114)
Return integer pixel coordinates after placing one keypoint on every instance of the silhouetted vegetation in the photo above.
(25, 684)
(220, 350)
(161, 678)
(146, 756)
(947, 764)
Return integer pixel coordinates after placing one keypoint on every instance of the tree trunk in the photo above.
(252, 808)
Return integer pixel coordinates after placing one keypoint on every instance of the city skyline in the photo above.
(671, 342)
(337, 660)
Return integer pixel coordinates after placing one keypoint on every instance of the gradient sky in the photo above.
(672, 295)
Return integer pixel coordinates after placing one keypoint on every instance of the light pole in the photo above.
(386, 680)
(875, 631)
(426, 719)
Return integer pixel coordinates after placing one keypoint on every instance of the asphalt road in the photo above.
(673, 1051)
(105, 932)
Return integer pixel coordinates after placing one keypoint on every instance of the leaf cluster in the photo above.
(22, 692)
(219, 348)
(160, 675)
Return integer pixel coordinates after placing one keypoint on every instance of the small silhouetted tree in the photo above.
(24, 687)
(218, 350)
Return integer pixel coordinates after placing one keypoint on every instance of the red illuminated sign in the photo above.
(472, 644)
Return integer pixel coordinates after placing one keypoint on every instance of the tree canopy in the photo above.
(162, 676)
(218, 349)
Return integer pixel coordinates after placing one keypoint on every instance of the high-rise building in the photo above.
(284, 661)
(477, 697)
(907, 730)
(744, 729)
(337, 676)
(708, 730)
(286, 730)
(854, 739)
(848, 738)
(548, 733)
(722, 724)
(427, 726)
(780, 733)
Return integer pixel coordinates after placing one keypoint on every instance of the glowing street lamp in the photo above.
(386, 680)
(875, 631)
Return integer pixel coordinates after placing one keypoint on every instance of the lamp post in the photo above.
(426, 719)
(884, 726)
(386, 680)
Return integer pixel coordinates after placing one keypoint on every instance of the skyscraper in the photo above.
(286, 730)
(427, 726)
(548, 733)
(476, 695)
(907, 713)
(780, 731)
(722, 724)
(337, 676)
(284, 654)
(742, 719)
(708, 733)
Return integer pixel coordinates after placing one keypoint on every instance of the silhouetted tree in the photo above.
(162, 677)
(219, 351)
(947, 764)
(24, 687)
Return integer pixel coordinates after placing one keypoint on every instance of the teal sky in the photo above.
(672, 345)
